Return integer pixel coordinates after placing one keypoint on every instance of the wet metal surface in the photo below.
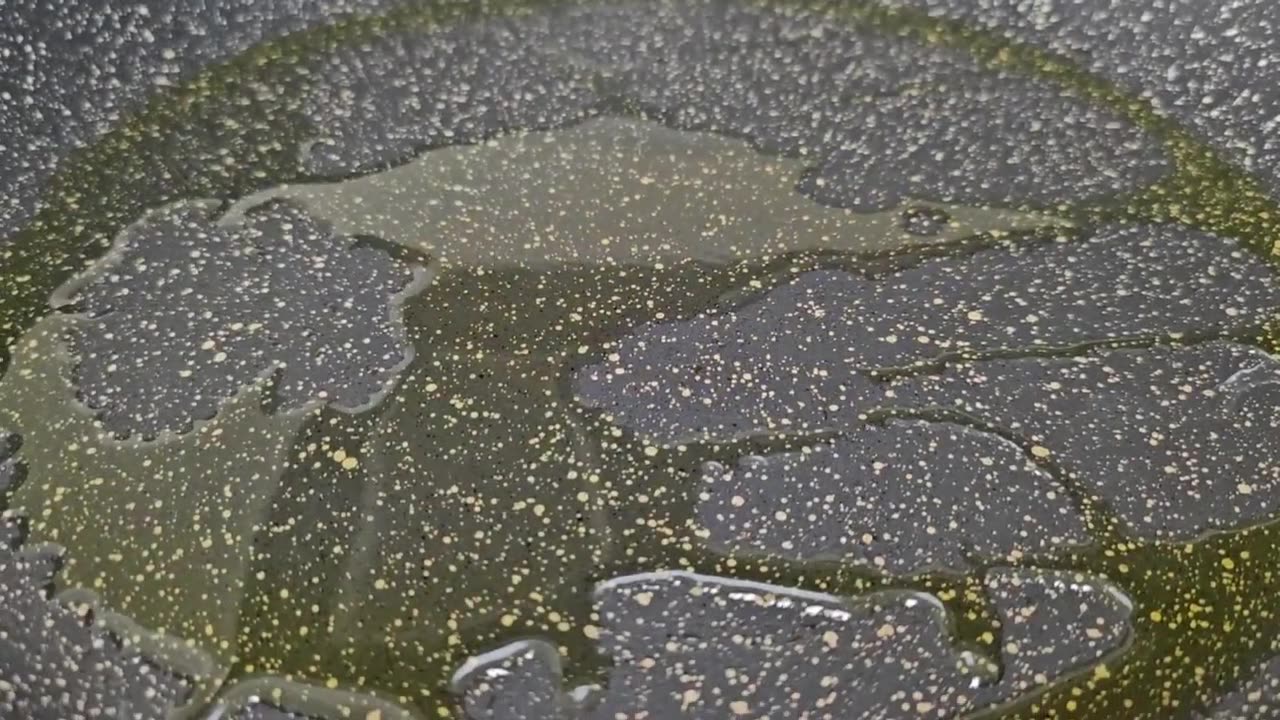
(1200, 458)
(901, 498)
(1255, 698)
(184, 312)
(613, 191)
(801, 357)
(685, 645)
(649, 360)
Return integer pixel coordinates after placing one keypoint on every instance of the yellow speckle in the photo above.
(1101, 672)
(739, 707)
(644, 598)
(373, 715)
(1157, 616)
(1228, 563)
(331, 683)
(691, 696)
(591, 631)
(830, 638)
(350, 463)
(508, 620)
(650, 450)
(1040, 451)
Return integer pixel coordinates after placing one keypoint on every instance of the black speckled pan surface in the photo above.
(578, 360)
